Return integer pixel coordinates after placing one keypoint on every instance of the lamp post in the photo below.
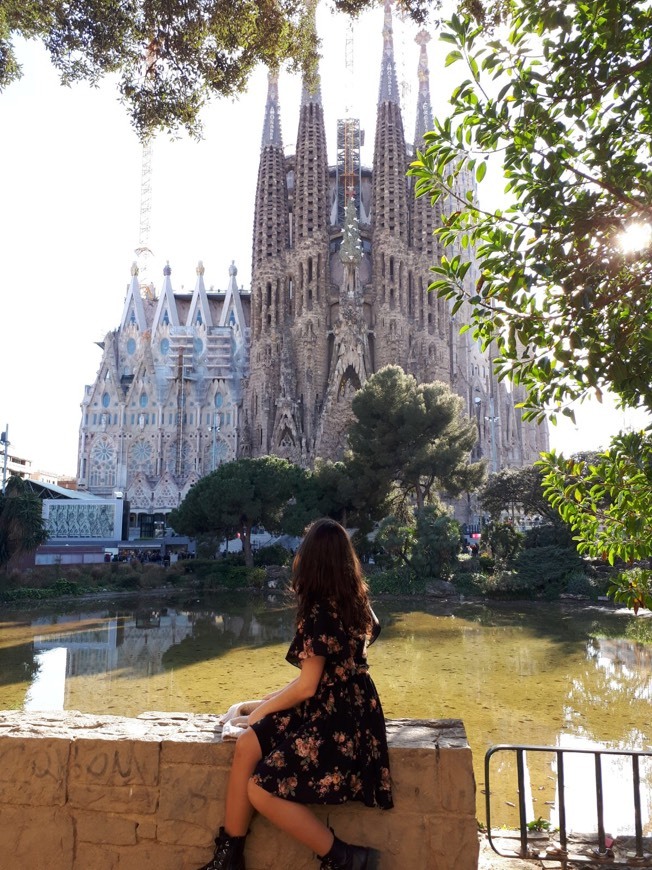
(4, 440)
(477, 402)
(215, 428)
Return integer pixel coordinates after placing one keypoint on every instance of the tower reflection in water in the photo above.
(127, 646)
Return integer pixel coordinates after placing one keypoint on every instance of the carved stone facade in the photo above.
(164, 408)
(340, 271)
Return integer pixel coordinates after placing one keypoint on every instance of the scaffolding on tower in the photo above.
(348, 143)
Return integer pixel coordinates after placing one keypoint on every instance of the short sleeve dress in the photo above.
(332, 747)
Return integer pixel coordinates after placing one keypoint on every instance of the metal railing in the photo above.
(603, 853)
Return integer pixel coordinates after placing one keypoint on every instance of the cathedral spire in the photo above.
(134, 311)
(272, 125)
(310, 209)
(388, 91)
(425, 216)
(389, 186)
(271, 234)
(166, 310)
(311, 90)
(199, 312)
(424, 120)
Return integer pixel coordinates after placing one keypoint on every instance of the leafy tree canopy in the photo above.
(237, 496)
(327, 491)
(426, 543)
(515, 491)
(412, 436)
(22, 529)
(566, 101)
(171, 56)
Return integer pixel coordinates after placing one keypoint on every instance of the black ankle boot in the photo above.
(229, 853)
(344, 856)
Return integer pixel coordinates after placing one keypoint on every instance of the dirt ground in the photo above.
(489, 860)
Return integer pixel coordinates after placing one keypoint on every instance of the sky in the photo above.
(69, 220)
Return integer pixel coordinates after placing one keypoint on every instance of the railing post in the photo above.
(562, 801)
(520, 768)
(602, 848)
(638, 824)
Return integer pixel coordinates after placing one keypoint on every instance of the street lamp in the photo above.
(4, 440)
(215, 428)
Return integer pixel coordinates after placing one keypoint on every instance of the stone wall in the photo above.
(85, 792)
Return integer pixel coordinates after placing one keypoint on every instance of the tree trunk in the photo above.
(245, 534)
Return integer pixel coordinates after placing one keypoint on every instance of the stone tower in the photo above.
(340, 271)
(164, 408)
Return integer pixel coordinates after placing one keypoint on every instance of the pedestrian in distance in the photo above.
(321, 739)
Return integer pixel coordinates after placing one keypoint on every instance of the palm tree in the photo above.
(21, 521)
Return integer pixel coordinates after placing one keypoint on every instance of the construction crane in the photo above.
(143, 251)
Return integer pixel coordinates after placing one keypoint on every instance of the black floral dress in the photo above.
(332, 747)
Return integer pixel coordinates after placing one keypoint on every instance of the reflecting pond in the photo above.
(544, 674)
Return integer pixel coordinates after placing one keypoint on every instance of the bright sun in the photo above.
(635, 238)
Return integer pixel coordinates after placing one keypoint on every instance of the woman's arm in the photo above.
(278, 691)
(294, 693)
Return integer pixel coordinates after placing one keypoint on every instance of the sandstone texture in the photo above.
(86, 792)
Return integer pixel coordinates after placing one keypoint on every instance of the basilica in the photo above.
(340, 268)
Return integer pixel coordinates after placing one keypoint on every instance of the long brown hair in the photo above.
(326, 568)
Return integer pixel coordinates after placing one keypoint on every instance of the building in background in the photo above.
(163, 410)
(340, 270)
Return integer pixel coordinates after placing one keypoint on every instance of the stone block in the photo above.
(114, 775)
(194, 794)
(215, 753)
(89, 855)
(146, 829)
(453, 843)
(185, 833)
(267, 849)
(105, 828)
(414, 778)
(33, 772)
(456, 781)
(401, 839)
(157, 856)
(40, 838)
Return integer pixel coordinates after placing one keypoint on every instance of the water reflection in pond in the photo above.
(537, 674)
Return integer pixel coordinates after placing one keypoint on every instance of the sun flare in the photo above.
(635, 238)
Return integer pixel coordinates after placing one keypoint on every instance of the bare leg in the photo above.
(295, 819)
(239, 810)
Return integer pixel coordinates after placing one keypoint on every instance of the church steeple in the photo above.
(134, 311)
(272, 124)
(424, 120)
(271, 237)
(166, 310)
(425, 216)
(388, 91)
(389, 203)
(308, 301)
(310, 207)
(199, 312)
(271, 243)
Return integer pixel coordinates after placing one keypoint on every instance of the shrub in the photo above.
(580, 583)
(395, 581)
(236, 577)
(504, 541)
(486, 562)
(274, 554)
(546, 570)
(548, 535)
